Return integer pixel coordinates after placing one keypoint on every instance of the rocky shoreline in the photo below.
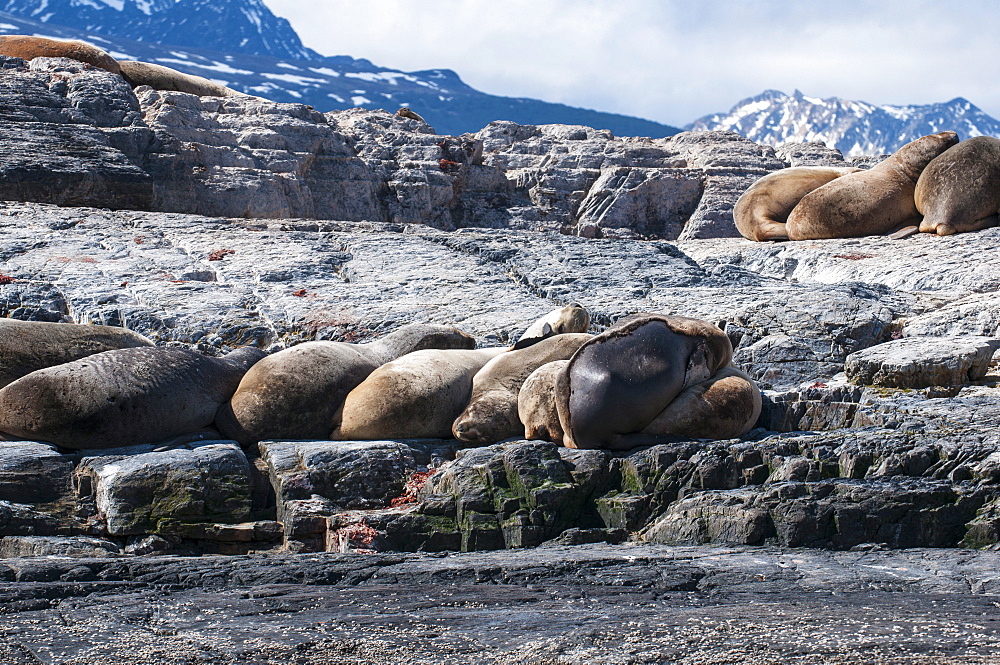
(213, 224)
(602, 604)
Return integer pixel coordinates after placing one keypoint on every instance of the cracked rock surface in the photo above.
(595, 603)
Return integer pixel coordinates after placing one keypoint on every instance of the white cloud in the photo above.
(673, 60)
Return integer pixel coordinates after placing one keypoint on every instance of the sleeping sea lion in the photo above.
(959, 191)
(123, 397)
(761, 212)
(620, 381)
(491, 414)
(27, 47)
(725, 406)
(873, 202)
(164, 78)
(27, 346)
(414, 397)
(536, 403)
(572, 318)
(407, 112)
(297, 393)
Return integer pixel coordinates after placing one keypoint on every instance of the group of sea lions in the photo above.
(935, 184)
(135, 73)
(647, 377)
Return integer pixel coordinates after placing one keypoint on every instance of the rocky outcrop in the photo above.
(95, 142)
(921, 362)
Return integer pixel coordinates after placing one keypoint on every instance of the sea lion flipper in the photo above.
(904, 232)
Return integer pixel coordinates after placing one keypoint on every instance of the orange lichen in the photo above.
(448, 165)
(301, 293)
(7, 279)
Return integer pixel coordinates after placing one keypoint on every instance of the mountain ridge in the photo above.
(289, 72)
(853, 127)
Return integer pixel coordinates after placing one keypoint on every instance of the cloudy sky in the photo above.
(675, 60)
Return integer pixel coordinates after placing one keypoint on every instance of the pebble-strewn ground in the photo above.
(589, 604)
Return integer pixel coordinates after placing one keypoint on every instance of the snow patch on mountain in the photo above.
(855, 128)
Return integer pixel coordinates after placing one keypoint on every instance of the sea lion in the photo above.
(572, 318)
(725, 406)
(873, 202)
(536, 403)
(761, 212)
(407, 112)
(620, 381)
(414, 397)
(297, 393)
(164, 78)
(27, 346)
(27, 47)
(491, 414)
(959, 191)
(122, 397)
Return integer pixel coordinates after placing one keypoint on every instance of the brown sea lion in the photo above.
(414, 397)
(297, 393)
(123, 397)
(407, 112)
(760, 214)
(491, 414)
(164, 78)
(536, 403)
(27, 346)
(616, 384)
(873, 202)
(27, 47)
(725, 406)
(572, 318)
(959, 191)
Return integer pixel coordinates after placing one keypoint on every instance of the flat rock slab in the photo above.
(33, 472)
(72, 546)
(921, 362)
(594, 604)
(148, 492)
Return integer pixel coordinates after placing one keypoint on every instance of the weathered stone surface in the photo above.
(919, 362)
(591, 603)
(246, 157)
(348, 474)
(832, 514)
(145, 493)
(75, 546)
(33, 472)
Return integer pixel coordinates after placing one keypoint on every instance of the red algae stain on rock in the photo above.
(220, 254)
(412, 488)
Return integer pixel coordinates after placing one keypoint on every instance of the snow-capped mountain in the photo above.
(854, 128)
(233, 26)
(241, 44)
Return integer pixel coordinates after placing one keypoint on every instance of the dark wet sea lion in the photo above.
(297, 393)
(27, 47)
(416, 396)
(491, 414)
(959, 191)
(123, 397)
(619, 381)
(27, 346)
(761, 212)
(873, 202)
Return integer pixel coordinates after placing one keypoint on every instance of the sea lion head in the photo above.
(916, 155)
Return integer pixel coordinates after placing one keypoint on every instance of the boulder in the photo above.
(150, 492)
(920, 362)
